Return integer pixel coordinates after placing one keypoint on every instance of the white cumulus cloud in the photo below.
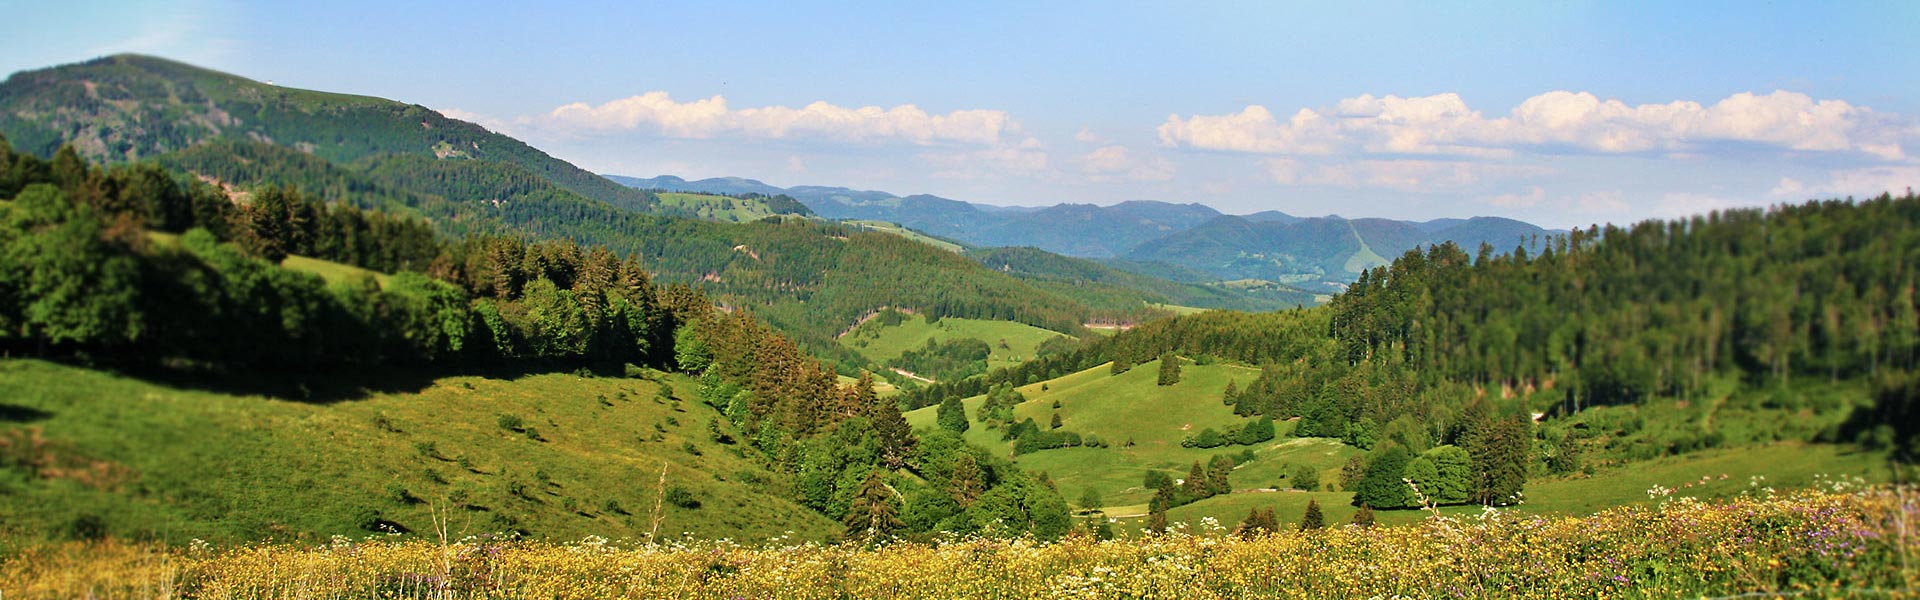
(1444, 124)
(656, 112)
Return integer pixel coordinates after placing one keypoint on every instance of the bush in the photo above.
(681, 497)
(510, 422)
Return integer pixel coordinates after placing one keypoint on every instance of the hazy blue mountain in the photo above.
(1316, 253)
(1183, 242)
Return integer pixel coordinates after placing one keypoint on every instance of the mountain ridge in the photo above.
(1135, 234)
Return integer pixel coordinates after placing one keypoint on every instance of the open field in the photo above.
(295, 460)
(909, 234)
(880, 343)
(717, 208)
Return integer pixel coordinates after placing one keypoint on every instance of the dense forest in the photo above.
(95, 272)
(1443, 355)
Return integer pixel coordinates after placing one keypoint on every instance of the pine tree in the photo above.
(965, 486)
(1196, 485)
(896, 436)
(1313, 519)
(1232, 395)
(872, 513)
(1260, 521)
(1157, 521)
(1363, 517)
(1056, 421)
(1169, 369)
(1218, 471)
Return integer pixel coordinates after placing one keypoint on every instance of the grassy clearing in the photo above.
(909, 234)
(331, 271)
(715, 208)
(1784, 466)
(178, 462)
(1178, 310)
(1131, 407)
(880, 343)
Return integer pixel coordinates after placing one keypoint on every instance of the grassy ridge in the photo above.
(716, 208)
(1130, 407)
(180, 462)
(881, 343)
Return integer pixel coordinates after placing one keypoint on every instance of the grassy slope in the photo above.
(709, 206)
(1784, 465)
(909, 234)
(1130, 406)
(222, 466)
(881, 344)
(331, 271)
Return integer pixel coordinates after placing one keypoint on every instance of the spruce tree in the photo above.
(1196, 485)
(1313, 519)
(965, 486)
(872, 513)
(1169, 369)
(1157, 521)
(896, 436)
(1363, 517)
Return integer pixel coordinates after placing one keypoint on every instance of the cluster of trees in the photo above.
(1254, 432)
(844, 443)
(953, 359)
(1202, 481)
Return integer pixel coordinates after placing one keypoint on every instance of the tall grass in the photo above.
(1817, 543)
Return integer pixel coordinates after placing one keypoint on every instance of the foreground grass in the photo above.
(1812, 543)
(556, 455)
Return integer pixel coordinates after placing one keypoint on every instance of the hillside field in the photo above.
(715, 208)
(881, 343)
(1130, 406)
(255, 459)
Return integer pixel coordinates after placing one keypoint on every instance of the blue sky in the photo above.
(1561, 113)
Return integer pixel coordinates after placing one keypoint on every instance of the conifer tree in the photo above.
(1313, 519)
(896, 436)
(1169, 369)
(1363, 517)
(1196, 485)
(1157, 521)
(965, 486)
(872, 513)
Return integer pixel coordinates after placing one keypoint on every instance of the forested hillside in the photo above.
(1471, 373)
(809, 279)
(88, 279)
(127, 107)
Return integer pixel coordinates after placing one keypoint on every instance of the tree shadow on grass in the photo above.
(21, 414)
(332, 385)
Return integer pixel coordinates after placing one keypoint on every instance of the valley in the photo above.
(249, 330)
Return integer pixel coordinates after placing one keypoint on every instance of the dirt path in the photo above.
(910, 375)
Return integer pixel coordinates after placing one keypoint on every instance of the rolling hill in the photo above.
(809, 278)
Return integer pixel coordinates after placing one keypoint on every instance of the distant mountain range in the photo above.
(1163, 239)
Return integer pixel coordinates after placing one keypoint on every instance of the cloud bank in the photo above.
(1558, 121)
(656, 112)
